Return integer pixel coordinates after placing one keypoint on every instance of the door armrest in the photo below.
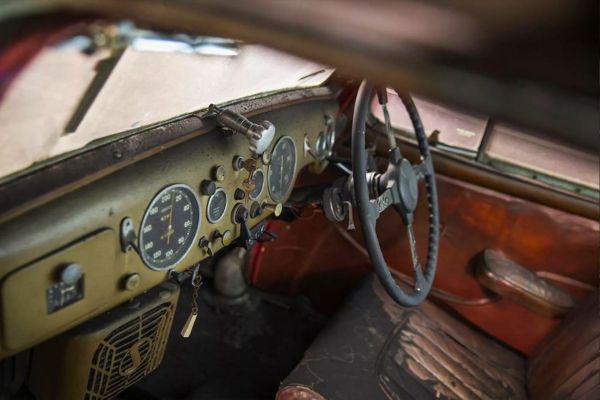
(521, 285)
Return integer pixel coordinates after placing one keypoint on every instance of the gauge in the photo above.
(217, 204)
(330, 135)
(258, 177)
(321, 145)
(169, 227)
(282, 169)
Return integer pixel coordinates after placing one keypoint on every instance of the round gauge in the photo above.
(217, 204)
(321, 145)
(330, 135)
(282, 169)
(259, 182)
(169, 227)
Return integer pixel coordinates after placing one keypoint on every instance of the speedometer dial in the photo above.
(282, 169)
(215, 209)
(169, 227)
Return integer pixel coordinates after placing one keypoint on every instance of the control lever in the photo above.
(259, 135)
(240, 216)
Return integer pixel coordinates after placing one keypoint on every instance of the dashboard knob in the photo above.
(226, 237)
(277, 208)
(239, 214)
(239, 194)
(71, 274)
(260, 135)
(255, 210)
(132, 282)
(218, 173)
(208, 188)
(206, 245)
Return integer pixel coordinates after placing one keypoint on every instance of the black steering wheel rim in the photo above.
(368, 214)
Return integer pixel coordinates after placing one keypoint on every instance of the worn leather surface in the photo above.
(567, 363)
(374, 349)
(521, 285)
(307, 258)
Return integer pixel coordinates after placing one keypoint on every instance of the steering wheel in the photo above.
(397, 187)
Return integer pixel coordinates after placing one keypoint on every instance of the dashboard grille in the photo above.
(129, 352)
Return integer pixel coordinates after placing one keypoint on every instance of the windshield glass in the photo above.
(77, 91)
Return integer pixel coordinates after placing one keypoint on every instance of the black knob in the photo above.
(239, 194)
(208, 188)
(239, 214)
(255, 209)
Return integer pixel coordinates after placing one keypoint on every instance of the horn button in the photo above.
(408, 186)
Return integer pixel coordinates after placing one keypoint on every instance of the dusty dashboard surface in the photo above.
(87, 248)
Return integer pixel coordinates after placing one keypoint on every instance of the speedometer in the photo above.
(169, 227)
(282, 169)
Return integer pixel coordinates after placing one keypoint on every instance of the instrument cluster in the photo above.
(129, 231)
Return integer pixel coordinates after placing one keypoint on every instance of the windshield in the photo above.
(80, 91)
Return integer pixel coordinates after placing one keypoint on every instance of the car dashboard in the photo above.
(93, 243)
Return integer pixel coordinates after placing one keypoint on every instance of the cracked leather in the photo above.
(375, 349)
(521, 285)
(567, 363)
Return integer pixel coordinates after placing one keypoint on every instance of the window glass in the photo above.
(507, 148)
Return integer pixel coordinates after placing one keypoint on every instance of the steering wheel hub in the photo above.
(408, 186)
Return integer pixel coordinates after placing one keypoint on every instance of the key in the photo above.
(351, 226)
(191, 320)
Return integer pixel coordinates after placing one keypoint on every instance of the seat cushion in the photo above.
(375, 349)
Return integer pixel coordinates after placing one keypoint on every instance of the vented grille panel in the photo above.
(129, 353)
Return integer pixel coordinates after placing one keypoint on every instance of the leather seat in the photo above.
(375, 349)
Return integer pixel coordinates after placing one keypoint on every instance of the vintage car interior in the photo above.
(298, 200)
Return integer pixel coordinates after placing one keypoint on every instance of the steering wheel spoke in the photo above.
(415, 257)
(385, 200)
(424, 168)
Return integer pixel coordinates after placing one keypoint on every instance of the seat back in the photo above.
(567, 363)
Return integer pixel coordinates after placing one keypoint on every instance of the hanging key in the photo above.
(351, 226)
(191, 320)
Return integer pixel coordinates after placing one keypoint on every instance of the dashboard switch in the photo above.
(260, 135)
(277, 208)
(239, 214)
(218, 173)
(71, 274)
(255, 210)
(132, 282)
(239, 194)
(226, 237)
(206, 245)
(208, 188)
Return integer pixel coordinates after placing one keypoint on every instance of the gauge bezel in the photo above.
(144, 219)
(208, 205)
(321, 147)
(263, 184)
(289, 190)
